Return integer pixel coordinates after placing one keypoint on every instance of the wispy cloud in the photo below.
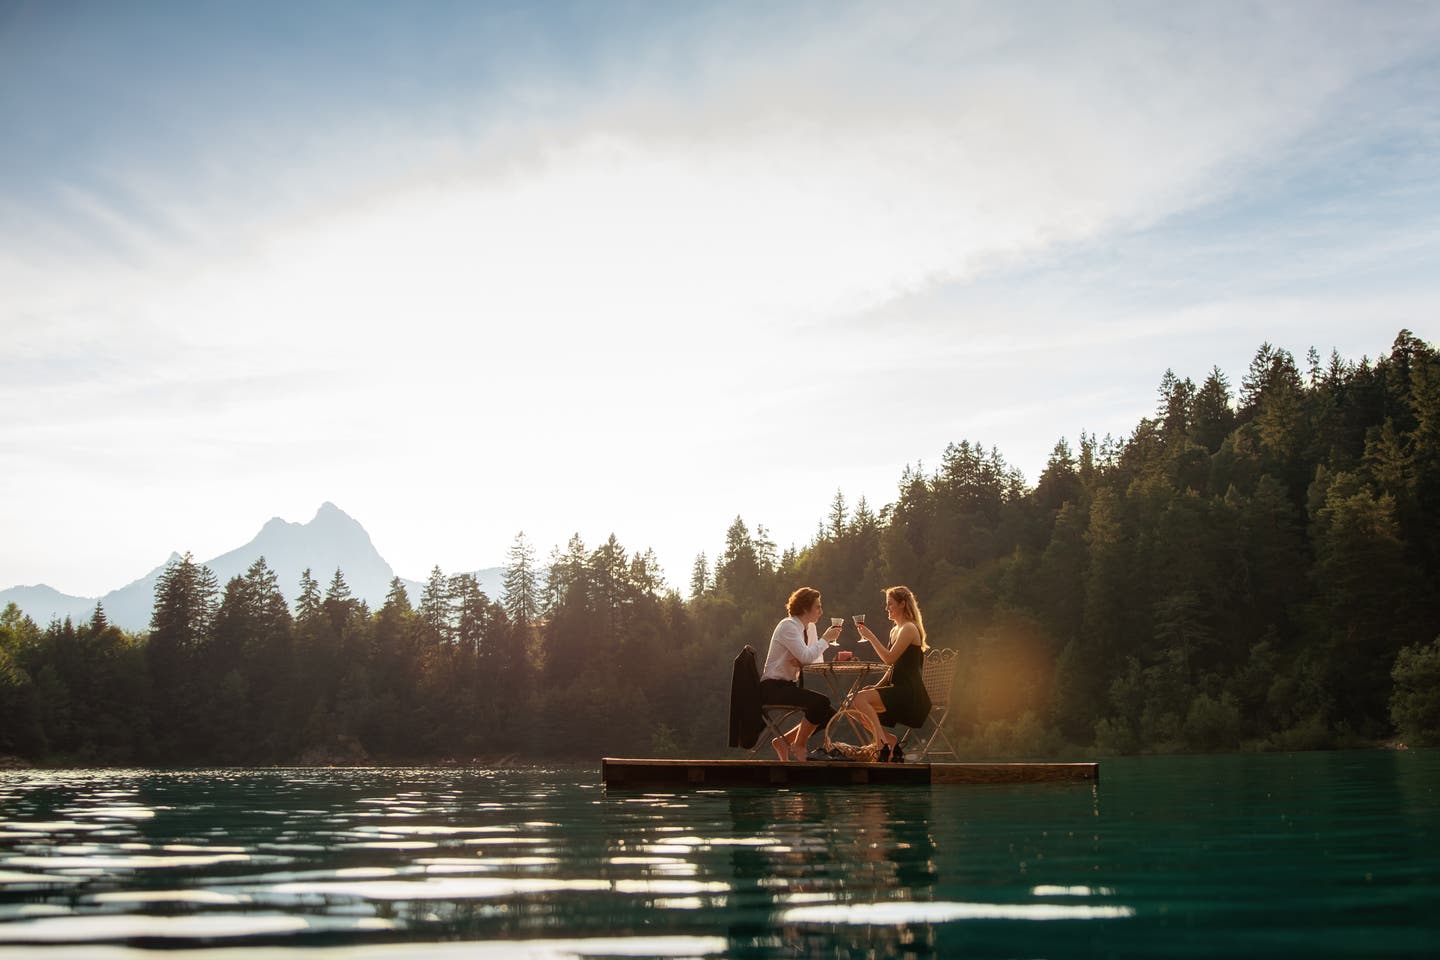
(633, 257)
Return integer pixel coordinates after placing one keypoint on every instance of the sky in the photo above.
(467, 269)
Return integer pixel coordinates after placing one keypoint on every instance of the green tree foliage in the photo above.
(522, 594)
(181, 630)
(1211, 415)
(21, 732)
(251, 654)
(1359, 575)
(1255, 571)
(1415, 702)
(699, 576)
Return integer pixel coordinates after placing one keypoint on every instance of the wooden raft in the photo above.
(635, 773)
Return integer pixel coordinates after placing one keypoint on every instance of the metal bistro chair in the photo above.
(939, 676)
(777, 717)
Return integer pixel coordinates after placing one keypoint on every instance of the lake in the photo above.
(1307, 855)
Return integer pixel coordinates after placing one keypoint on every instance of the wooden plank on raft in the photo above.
(630, 773)
(1013, 772)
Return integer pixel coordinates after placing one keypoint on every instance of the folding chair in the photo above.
(777, 717)
(939, 676)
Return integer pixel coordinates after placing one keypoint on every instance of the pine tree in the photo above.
(307, 605)
(568, 575)
(1389, 461)
(1253, 384)
(610, 584)
(646, 575)
(1059, 482)
(836, 528)
(252, 660)
(434, 609)
(1367, 594)
(737, 572)
(699, 576)
(393, 726)
(472, 612)
(180, 627)
(339, 591)
(1212, 419)
(21, 733)
(765, 556)
(397, 598)
(1177, 398)
(521, 590)
(864, 523)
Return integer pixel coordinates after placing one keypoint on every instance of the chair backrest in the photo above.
(939, 674)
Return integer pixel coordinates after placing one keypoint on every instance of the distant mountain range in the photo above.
(331, 540)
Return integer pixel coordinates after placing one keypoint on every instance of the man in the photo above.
(791, 649)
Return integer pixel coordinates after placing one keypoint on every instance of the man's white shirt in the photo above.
(789, 650)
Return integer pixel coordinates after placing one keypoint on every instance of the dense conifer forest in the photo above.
(1251, 568)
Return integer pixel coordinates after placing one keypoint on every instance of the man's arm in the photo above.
(792, 638)
(816, 651)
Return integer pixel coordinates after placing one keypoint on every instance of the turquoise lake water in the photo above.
(1307, 855)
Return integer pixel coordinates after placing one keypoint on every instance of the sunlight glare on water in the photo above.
(1313, 855)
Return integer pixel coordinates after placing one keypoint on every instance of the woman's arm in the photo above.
(882, 647)
(891, 653)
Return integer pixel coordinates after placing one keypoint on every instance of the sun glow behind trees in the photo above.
(1258, 573)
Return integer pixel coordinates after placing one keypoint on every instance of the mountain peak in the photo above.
(328, 511)
(332, 539)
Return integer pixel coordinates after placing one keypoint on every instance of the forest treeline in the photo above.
(1249, 569)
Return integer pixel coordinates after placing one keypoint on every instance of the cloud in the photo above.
(626, 252)
(836, 166)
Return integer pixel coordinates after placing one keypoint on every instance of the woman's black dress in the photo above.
(904, 696)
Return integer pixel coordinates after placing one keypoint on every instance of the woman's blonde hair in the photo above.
(906, 599)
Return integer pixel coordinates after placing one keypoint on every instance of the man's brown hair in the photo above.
(802, 600)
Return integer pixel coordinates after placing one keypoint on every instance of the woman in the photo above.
(791, 649)
(903, 699)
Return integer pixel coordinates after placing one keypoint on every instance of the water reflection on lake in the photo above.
(1312, 855)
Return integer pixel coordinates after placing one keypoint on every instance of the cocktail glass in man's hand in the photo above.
(836, 623)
